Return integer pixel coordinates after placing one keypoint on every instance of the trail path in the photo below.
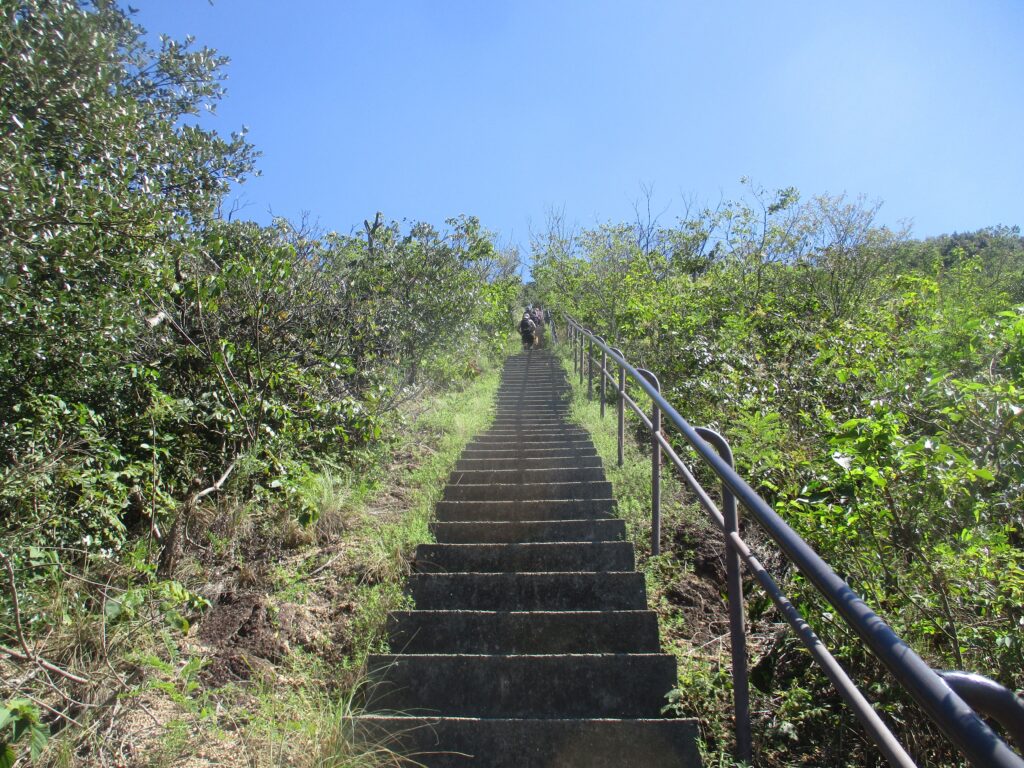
(531, 645)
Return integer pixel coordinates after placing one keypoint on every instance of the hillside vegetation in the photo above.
(176, 385)
(219, 440)
(871, 387)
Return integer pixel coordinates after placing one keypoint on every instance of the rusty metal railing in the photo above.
(941, 696)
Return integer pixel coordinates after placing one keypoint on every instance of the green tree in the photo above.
(106, 181)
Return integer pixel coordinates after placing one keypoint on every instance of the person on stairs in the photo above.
(537, 315)
(528, 330)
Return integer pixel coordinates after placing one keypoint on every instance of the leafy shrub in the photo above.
(871, 388)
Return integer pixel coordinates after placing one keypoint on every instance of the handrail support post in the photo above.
(655, 481)
(734, 590)
(590, 369)
(621, 406)
(655, 466)
(583, 342)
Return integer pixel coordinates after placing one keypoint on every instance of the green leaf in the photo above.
(113, 609)
(177, 621)
(40, 734)
(875, 476)
(7, 756)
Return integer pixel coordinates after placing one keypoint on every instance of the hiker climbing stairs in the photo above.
(530, 645)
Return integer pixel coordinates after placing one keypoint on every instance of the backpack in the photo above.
(526, 324)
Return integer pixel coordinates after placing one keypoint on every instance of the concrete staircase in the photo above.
(531, 645)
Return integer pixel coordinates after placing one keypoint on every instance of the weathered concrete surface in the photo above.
(584, 489)
(502, 531)
(531, 632)
(530, 638)
(546, 556)
(567, 462)
(549, 685)
(525, 509)
(456, 742)
(521, 475)
(608, 591)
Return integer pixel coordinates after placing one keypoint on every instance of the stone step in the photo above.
(524, 510)
(538, 557)
(529, 440)
(554, 462)
(594, 591)
(527, 452)
(527, 406)
(532, 376)
(559, 400)
(556, 393)
(564, 431)
(512, 401)
(553, 685)
(528, 491)
(528, 435)
(527, 448)
(509, 425)
(518, 632)
(546, 395)
(536, 428)
(465, 742)
(526, 413)
(506, 532)
(548, 423)
(531, 639)
(561, 431)
(550, 397)
(533, 369)
(530, 406)
(513, 475)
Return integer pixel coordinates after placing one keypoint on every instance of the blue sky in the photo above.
(425, 109)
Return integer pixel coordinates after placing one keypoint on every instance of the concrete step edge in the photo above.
(459, 742)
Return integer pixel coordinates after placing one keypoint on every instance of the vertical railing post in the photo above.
(734, 587)
(590, 369)
(571, 338)
(621, 406)
(604, 378)
(583, 343)
(655, 481)
(655, 465)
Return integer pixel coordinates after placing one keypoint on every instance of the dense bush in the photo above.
(148, 345)
(152, 353)
(871, 387)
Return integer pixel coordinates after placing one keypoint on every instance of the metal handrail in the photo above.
(995, 700)
(938, 698)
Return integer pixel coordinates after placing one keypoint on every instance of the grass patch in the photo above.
(272, 673)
